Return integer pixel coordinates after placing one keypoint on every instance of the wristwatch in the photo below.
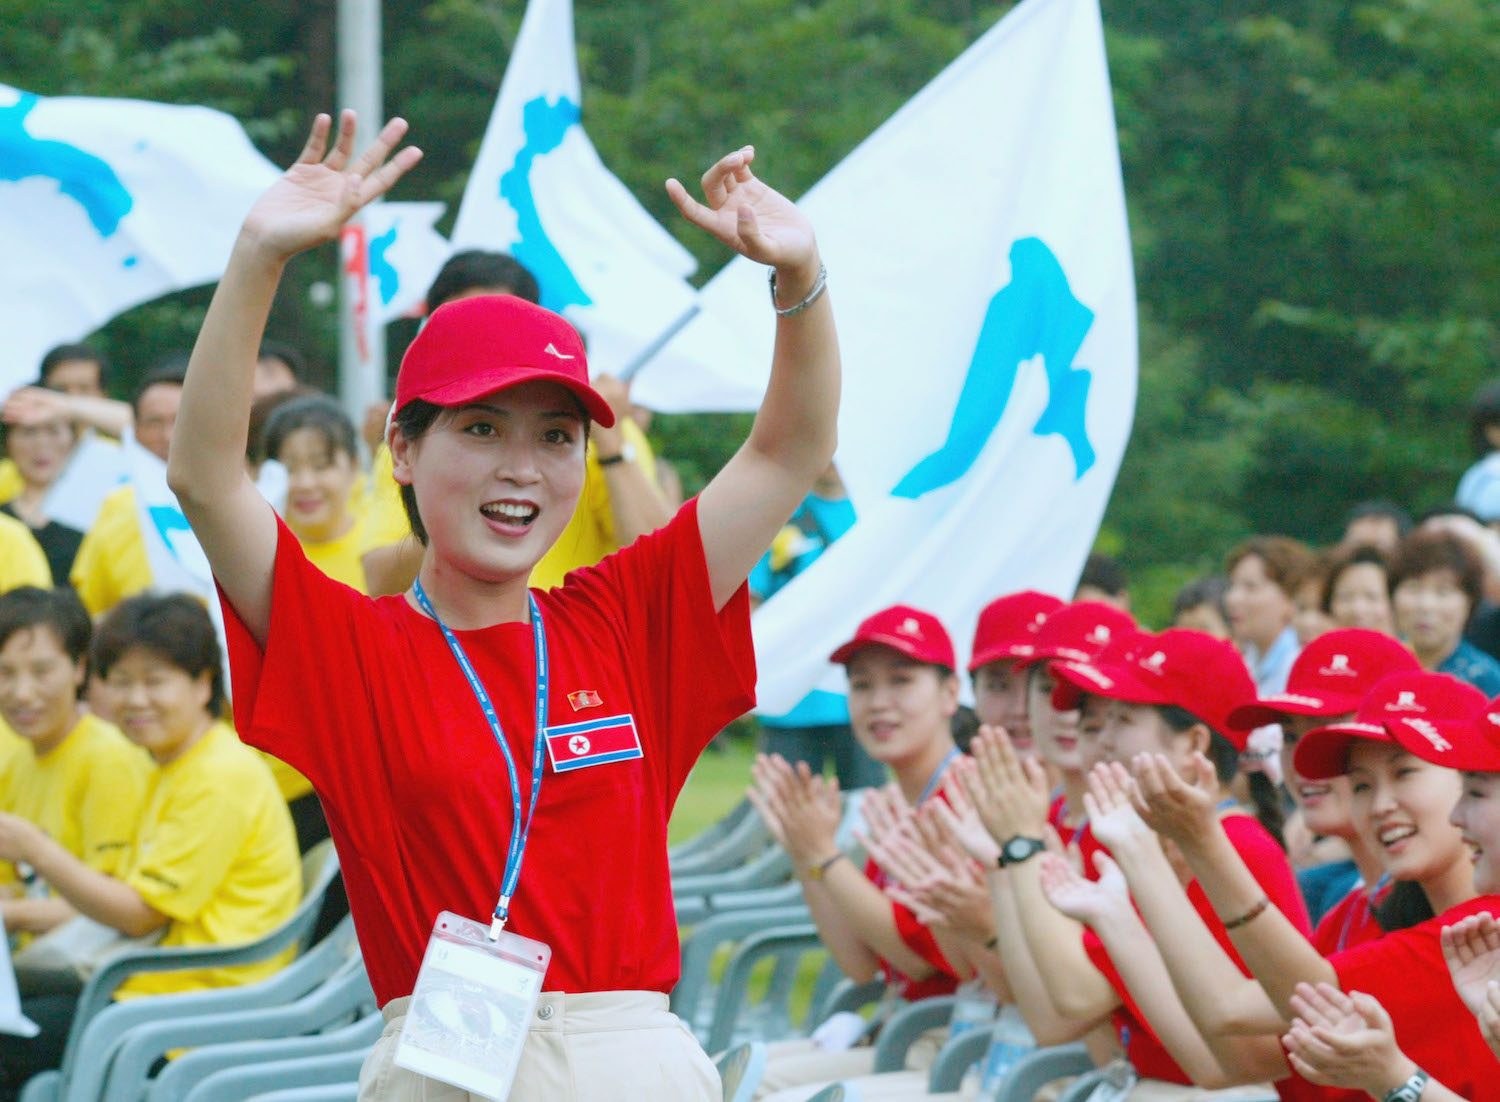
(1411, 1090)
(627, 455)
(1020, 848)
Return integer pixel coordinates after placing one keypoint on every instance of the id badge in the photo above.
(472, 1006)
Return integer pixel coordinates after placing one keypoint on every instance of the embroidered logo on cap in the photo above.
(593, 742)
(584, 698)
(909, 626)
(1099, 635)
(1154, 663)
(1338, 666)
(1494, 717)
(552, 350)
(1405, 702)
(1430, 733)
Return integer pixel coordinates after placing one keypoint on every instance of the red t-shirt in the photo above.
(1351, 921)
(365, 699)
(1057, 816)
(1269, 865)
(1405, 971)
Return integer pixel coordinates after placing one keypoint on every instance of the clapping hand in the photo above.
(1180, 809)
(1472, 950)
(325, 187)
(1340, 1040)
(944, 887)
(801, 809)
(958, 820)
(753, 219)
(1088, 901)
(1111, 802)
(1010, 793)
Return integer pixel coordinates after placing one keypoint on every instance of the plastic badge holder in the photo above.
(472, 1006)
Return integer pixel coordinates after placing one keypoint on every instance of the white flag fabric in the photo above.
(539, 191)
(95, 469)
(980, 266)
(404, 252)
(107, 203)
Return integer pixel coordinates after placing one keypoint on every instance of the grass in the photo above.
(717, 783)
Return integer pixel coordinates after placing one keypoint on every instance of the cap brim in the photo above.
(1324, 752)
(1005, 652)
(1452, 745)
(901, 646)
(1274, 708)
(490, 380)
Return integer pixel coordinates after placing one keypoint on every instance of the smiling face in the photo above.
(158, 704)
(1361, 599)
(1402, 804)
(40, 450)
(1131, 729)
(39, 686)
(1431, 610)
(899, 708)
(320, 479)
(496, 480)
(1055, 733)
(1477, 816)
(1325, 803)
(1000, 701)
(1259, 610)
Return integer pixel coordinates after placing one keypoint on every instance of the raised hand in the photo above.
(324, 188)
(1182, 810)
(1340, 1040)
(1111, 805)
(1012, 795)
(1087, 901)
(886, 813)
(752, 219)
(802, 810)
(29, 405)
(1472, 949)
(959, 896)
(957, 822)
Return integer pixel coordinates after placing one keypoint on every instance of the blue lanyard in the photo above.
(1369, 902)
(932, 782)
(518, 832)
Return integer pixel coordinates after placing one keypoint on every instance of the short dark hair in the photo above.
(1425, 552)
(260, 413)
(1342, 559)
(1104, 573)
(65, 352)
(174, 627)
(473, 269)
(964, 725)
(1288, 562)
(310, 411)
(170, 372)
(59, 609)
(295, 362)
(1484, 413)
(1207, 590)
(1381, 508)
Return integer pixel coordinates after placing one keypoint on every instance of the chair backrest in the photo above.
(837, 1092)
(741, 1069)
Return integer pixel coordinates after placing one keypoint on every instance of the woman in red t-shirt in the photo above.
(396, 722)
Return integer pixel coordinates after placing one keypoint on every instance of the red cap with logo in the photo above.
(1426, 699)
(1331, 677)
(1473, 747)
(1068, 692)
(1008, 626)
(475, 346)
(1186, 668)
(1079, 632)
(910, 631)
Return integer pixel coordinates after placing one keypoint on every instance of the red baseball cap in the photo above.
(918, 635)
(1081, 678)
(1007, 627)
(1426, 699)
(1190, 669)
(1079, 632)
(475, 346)
(1473, 747)
(1331, 677)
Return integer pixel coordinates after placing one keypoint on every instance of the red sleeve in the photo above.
(692, 667)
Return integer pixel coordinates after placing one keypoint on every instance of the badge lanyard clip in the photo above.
(519, 831)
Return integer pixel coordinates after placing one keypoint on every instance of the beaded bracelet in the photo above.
(1253, 913)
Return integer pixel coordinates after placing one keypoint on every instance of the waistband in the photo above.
(580, 1012)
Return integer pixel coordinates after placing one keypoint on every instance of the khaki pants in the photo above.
(604, 1046)
(799, 1069)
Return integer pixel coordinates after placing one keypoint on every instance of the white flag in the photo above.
(539, 191)
(107, 203)
(404, 252)
(980, 267)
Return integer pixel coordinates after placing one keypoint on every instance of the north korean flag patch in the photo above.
(593, 742)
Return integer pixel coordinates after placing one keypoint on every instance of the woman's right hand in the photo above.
(324, 188)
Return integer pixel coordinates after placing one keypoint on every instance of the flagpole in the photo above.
(647, 354)
(361, 342)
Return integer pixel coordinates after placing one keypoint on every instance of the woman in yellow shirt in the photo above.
(214, 859)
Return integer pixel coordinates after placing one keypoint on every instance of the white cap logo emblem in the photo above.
(1100, 634)
(909, 626)
(1338, 666)
(552, 350)
(1155, 662)
(1405, 702)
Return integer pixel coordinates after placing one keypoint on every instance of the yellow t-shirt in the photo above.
(112, 563)
(11, 482)
(217, 854)
(87, 793)
(589, 536)
(22, 561)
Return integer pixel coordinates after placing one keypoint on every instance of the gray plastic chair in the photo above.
(742, 838)
(741, 1070)
(689, 999)
(734, 1016)
(837, 1092)
(342, 1092)
(845, 995)
(906, 1025)
(1021, 1080)
(337, 1069)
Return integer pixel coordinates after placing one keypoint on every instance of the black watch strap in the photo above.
(1020, 848)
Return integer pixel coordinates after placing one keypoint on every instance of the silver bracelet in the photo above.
(819, 286)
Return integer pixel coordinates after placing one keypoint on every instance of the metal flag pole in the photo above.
(647, 354)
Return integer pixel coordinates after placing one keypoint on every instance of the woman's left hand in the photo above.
(753, 219)
(1339, 1040)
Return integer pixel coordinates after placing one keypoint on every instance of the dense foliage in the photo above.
(1312, 193)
